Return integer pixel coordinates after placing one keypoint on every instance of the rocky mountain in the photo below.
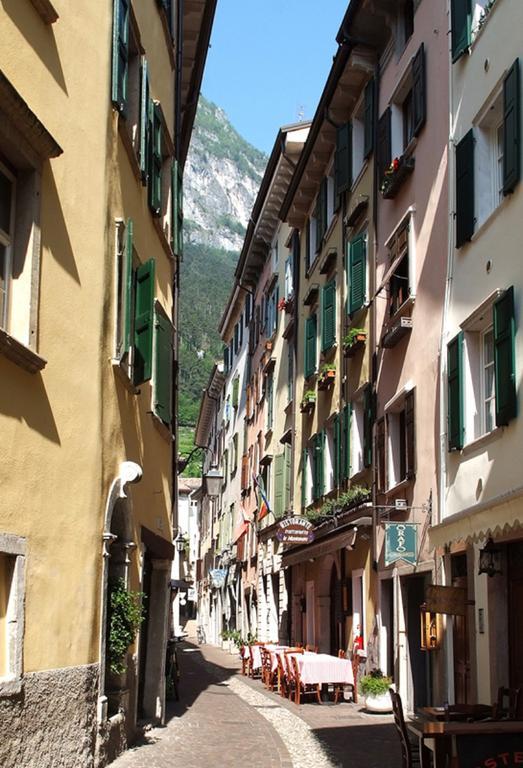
(221, 180)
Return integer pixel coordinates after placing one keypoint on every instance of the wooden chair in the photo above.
(290, 680)
(303, 689)
(342, 654)
(509, 704)
(409, 752)
(283, 675)
(311, 648)
(268, 675)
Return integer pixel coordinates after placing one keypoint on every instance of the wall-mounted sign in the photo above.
(451, 600)
(295, 530)
(217, 577)
(401, 542)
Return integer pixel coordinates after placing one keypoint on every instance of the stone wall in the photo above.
(51, 723)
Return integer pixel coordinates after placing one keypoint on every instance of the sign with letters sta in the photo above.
(295, 530)
(497, 750)
(401, 542)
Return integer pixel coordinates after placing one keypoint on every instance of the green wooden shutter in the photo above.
(310, 346)
(336, 432)
(144, 121)
(465, 189)
(235, 391)
(511, 129)
(143, 322)
(419, 106)
(120, 54)
(155, 171)
(456, 420)
(384, 148)
(328, 315)
(315, 464)
(304, 457)
(504, 358)
(368, 132)
(345, 441)
(287, 452)
(177, 209)
(343, 159)
(163, 368)
(368, 420)
(279, 485)
(357, 273)
(461, 20)
(128, 281)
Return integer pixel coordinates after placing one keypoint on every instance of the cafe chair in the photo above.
(282, 672)
(509, 704)
(410, 757)
(303, 689)
(290, 680)
(268, 674)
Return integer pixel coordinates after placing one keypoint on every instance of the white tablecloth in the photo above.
(319, 668)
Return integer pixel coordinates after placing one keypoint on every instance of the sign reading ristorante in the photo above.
(295, 530)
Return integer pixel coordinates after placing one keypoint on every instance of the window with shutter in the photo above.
(163, 367)
(125, 290)
(504, 358)
(177, 209)
(120, 53)
(279, 485)
(357, 273)
(455, 393)
(410, 436)
(418, 91)
(156, 159)
(287, 453)
(384, 147)
(270, 401)
(343, 159)
(310, 346)
(235, 391)
(368, 143)
(144, 120)
(328, 315)
(511, 129)
(304, 493)
(465, 189)
(368, 421)
(143, 322)
(461, 20)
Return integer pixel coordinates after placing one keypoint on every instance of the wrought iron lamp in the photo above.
(489, 559)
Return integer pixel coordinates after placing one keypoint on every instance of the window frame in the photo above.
(14, 547)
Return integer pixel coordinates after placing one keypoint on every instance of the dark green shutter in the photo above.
(336, 463)
(128, 280)
(461, 20)
(144, 120)
(368, 420)
(345, 441)
(279, 485)
(304, 457)
(177, 209)
(155, 170)
(384, 148)
(368, 133)
(456, 421)
(357, 273)
(419, 105)
(310, 346)
(120, 54)
(287, 452)
(163, 368)
(511, 129)
(465, 189)
(343, 159)
(410, 435)
(235, 391)
(143, 322)
(328, 315)
(504, 358)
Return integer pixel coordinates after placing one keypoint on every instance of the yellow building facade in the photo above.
(91, 159)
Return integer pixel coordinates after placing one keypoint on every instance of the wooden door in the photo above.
(515, 613)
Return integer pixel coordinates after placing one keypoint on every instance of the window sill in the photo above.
(162, 428)
(401, 486)
(120, 371)
(19, 354)
(479, 442)
(46, 11)
(359, 475)
(485, 224)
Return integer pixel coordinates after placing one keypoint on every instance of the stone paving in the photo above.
(225, 719)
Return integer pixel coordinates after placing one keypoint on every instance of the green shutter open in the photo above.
(456, 420)
(128, 281)
(143, 322)
(343, 159)
(328, 315)
(368, 119)
(287, 453)
(120, 54)
(465, 189)
(279, 485)
(511, 129)
(504, 358)
(163, 368)
(419, 107)
(156, 160)
(461, 20)
(310, 346)
(357, 273)
(368, 421)
(144, 120)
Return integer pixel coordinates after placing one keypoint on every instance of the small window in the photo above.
(488, 160)
(400, 440)
(12, 575)
(357, 464)
(400, 270)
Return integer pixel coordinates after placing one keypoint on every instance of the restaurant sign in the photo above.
(495, 750)
(401, 542)
(295, 530)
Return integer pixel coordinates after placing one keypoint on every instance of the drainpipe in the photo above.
(373, 345)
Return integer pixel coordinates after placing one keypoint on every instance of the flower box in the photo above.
(326, 378)
(395, 175)
(308, 402)
(353, 343)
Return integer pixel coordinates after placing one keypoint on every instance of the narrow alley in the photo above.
(227, 719)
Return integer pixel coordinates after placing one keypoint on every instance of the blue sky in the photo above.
(269, 60)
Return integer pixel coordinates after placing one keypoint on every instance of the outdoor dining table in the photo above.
(324, 669)
(493, 744)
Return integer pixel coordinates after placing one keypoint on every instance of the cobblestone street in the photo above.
(226, 719)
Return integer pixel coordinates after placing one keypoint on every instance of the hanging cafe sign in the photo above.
(295, 530)
(401, 542)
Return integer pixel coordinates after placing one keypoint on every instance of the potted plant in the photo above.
(327, 375)
(308, 401)
(126, 613)
(394, 176)
(354, 340)
(375, 687)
